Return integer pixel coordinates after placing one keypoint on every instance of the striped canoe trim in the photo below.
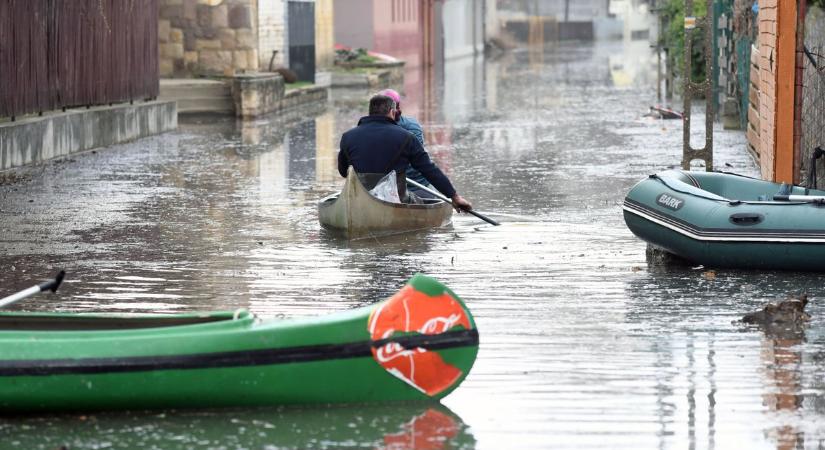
(242, 358)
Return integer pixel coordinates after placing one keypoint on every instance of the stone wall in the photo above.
(207, 37)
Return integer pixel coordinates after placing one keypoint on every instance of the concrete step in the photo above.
(189, 90)
(223, 105)
(198, 95)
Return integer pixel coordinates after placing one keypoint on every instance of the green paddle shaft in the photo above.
(442, 197)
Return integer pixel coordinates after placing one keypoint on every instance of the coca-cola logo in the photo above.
(413, 311)
(393, 350)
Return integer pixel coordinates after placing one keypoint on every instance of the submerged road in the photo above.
(584, 341)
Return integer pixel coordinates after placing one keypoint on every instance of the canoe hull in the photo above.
(672, 213)
(244, 362)
(356, 214)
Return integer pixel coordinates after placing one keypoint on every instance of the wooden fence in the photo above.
(63, 53)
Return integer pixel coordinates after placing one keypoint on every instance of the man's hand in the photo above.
(460, 204)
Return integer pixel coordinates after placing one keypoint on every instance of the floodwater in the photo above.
(585, 342)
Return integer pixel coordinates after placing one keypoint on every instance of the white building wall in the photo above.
(463, 32)
(271, 32)
(492, 27)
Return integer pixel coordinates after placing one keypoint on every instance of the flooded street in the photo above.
(584, 342)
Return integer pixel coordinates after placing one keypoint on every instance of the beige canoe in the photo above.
(356, 214)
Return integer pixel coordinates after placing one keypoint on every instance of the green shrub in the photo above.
(673, 37)
(358, 55)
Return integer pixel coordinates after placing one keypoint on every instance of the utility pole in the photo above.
(656, 9)
(691, 88)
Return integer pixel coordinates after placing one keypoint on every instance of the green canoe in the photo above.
(727, 220)
(419, 344)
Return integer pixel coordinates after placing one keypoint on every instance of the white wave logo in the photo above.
(394, 350)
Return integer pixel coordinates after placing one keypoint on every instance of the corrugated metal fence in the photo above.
(56, 53)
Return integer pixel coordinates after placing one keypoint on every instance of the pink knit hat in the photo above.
(391, 93)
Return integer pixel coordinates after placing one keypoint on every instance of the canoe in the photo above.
(356, 214)
(417, 345)
(728, 220)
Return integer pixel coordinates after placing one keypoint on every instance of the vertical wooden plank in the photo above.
(58, 53)
(785, 86)
(5, 59)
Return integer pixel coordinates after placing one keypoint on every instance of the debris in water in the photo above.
(709, 275)
(785, 319)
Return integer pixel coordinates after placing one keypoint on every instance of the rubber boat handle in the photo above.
(746, 218)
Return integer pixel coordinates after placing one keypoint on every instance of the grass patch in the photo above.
(298, 85)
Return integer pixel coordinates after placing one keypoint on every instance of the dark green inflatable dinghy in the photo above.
(727, 220)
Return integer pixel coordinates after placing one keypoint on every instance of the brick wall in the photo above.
(271, 32)
(777, 42)
(207, 37)
(767, 85)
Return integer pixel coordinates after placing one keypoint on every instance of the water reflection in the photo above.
(395, 427)
(584, 343)
(783, 388)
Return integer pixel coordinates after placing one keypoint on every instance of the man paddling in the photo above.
(410, 124)
(378, 145)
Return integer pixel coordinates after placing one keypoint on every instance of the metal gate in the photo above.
(301, 39)
(813, 93)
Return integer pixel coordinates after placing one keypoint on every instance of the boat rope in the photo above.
(722, 199)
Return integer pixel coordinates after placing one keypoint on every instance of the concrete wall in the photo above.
(271, 32)
(207, 37)
(38, 139)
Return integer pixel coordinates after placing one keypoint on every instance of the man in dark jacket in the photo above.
(377, 146)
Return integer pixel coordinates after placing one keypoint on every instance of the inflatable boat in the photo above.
(726, 220)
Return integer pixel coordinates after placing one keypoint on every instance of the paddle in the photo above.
(50, 285)
(442, 197)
